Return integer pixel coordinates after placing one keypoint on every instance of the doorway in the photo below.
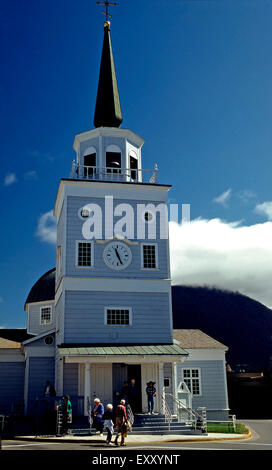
(134, 372)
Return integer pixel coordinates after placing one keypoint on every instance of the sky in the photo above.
(194, 78)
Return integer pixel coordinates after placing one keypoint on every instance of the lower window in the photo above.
(115, 316)
(192, 379)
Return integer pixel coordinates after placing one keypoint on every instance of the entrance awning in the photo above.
(122, 350)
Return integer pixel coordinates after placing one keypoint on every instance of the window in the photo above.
(192, 379)
(46, 315)
(84, 254)
(113, 162)
(116, 316)
(167, 382)
(149, 256)
(90, 163)
(134, 167)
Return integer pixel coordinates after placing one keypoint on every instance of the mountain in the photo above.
(239, 322)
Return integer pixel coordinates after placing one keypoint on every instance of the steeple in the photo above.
(108, 109)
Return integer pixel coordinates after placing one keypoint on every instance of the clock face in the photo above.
(117, 255)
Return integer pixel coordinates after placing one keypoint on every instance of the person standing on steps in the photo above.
(151, 393)
(133, 395)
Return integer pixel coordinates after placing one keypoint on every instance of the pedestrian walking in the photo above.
(151, 393)
(66, 408)
(121, 422)
(97, 413)
(109, 419)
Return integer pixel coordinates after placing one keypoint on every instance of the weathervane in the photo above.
(107, 4)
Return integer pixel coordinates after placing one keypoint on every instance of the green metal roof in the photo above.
(123, 350)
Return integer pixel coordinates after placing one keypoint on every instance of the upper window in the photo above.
(116, 316)
(149, 256)
(192, 379)
(113, 162)
(89, 165)
(84, 255)
(133, 162)
(46, 315)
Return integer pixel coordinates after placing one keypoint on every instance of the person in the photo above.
(49, 390)
(108, 418)
(121, 422)
(97, 413)
(125, 392)
(133, 395)
(66, 407)
(151, 393)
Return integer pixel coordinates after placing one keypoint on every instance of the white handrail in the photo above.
(192, 414)
(167, 411)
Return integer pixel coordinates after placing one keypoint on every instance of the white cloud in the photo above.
(31, 175)
(265, 209)
(46, 229)
(223, 198)
(246, 194)
(225, 255)
(10, 178)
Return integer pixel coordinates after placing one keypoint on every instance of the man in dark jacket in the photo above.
(151, 393)
(49, 390)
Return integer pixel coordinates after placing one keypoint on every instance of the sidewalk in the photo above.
(139, 439)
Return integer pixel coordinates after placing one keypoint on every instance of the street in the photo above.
(261, 440)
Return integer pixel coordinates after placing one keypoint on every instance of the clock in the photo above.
(117, 255)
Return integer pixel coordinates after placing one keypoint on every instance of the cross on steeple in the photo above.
(107, 4)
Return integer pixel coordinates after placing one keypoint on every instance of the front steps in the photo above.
(143, 424)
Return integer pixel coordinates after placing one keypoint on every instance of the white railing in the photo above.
(167, 412)
(95, 173)
(192, 417)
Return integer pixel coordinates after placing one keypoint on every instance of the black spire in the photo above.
(107, 109)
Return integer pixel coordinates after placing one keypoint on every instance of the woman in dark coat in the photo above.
(97, 414)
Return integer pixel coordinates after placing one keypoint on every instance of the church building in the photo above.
(103, 316)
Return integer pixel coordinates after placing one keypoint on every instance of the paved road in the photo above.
(261, 440)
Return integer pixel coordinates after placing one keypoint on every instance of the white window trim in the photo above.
(199, 378)
(156, 256)
(51, 318)
(113, 307)
(92, 254)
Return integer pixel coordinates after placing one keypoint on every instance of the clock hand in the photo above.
(117, 254)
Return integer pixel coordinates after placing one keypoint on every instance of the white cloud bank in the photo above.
(225, 255)
(264, 209)
(211, 252)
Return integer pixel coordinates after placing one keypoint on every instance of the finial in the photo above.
(106, 3)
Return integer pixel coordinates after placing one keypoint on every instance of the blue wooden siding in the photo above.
(213, 389)
(74, 233)
(34, 319)
(40, 370)
(84, 317)
(11, 385)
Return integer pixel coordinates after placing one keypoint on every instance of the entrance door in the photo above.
(119, 376)
(134, 372)
(101, 382)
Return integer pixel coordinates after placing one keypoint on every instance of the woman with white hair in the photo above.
(108, 418)
(97, 414)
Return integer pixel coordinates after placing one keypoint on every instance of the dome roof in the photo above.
(43, 289)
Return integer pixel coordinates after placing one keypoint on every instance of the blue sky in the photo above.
(195, 82)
